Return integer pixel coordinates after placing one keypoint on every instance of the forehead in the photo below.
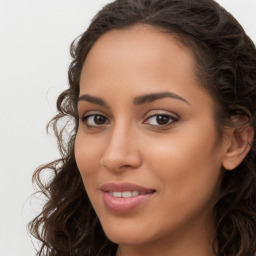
(138, 48)
(139, 60)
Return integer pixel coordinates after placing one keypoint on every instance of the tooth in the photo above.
(135, 193)
(117, 194)
(126, 194)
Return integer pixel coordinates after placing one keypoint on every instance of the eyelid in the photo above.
(173, 117)
(89, 114)
(169, 116)
(161, 112)
(92, 112)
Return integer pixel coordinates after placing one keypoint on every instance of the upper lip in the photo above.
(125, 186)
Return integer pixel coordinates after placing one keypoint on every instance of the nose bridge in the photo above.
(121, 150)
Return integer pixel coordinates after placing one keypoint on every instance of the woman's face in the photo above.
(147, 147)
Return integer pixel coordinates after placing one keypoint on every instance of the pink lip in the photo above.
(124, 204)
(122, 187)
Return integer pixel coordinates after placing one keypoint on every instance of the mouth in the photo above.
(125, 197)
(125, 194)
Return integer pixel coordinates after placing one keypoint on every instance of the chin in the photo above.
(126, 234)
(131, 239)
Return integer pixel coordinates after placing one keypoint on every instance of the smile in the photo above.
(126, 194)
(125, 197)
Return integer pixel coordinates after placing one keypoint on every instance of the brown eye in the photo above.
(161, 120)
(99, 120)
(95, 120)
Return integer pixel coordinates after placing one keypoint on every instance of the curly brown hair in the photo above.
(226, 67)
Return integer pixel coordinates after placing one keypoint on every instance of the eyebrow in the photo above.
(93, 99)
(156, 96)
(137, 100)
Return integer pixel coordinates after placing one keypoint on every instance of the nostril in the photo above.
(116, 158)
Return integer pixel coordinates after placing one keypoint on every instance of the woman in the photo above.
(160, 159)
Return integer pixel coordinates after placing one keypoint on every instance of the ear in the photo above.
(240, 141)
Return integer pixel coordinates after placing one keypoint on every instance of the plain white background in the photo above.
(35, 36)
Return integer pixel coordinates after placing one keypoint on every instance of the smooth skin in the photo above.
(169, 142)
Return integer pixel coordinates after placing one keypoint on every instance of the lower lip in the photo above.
(124, 204)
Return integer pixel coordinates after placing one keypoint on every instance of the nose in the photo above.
(122, 150)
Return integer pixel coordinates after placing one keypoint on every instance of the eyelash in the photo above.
(165, 117)
(88, 117)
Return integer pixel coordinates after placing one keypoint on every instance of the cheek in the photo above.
(187, 184)
(87, 155)
(187, 165)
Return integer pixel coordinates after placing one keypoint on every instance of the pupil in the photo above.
(99, 120)
(162, 120)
